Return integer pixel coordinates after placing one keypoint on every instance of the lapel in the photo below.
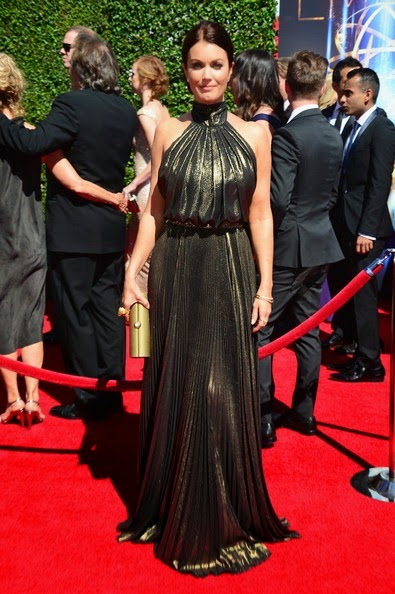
(361, 132)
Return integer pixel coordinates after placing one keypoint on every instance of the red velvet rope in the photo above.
(90, 383)
(324, 312)
(64, 379)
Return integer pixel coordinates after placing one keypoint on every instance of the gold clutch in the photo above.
(140, 338)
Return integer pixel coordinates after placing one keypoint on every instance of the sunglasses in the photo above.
(67, 47)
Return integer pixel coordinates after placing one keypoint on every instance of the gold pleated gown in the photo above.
(203, 499)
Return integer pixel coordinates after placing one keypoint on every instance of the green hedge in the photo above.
(32, 32)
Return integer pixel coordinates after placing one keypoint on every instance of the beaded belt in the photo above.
(223, 225)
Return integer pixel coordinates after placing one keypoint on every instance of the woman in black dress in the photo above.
(203, 499)
(22, 255)
(256, 90)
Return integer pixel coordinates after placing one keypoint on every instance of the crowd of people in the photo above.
(239, 216)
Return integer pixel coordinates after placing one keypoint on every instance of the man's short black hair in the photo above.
(348, 62)
(367, 79)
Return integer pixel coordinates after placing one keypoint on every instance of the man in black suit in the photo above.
(361, 218)
(306, 159)
(95, 127)
(66, 51)
(334, 113)
(343, 337)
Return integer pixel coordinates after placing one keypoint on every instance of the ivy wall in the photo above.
(32, 32)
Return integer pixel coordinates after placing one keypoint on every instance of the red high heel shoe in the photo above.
(33, 413)
(10, 412)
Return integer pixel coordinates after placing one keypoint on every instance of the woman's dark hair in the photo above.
(257, 83)
(95, 64)
(210, 32)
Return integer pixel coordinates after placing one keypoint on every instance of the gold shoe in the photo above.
(33, 413)
(10, 412)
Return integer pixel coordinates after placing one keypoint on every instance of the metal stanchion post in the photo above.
(379, 483)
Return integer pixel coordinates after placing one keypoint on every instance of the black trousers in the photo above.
(342, 322)
(296, 293)
(361, 312)
(87, 294)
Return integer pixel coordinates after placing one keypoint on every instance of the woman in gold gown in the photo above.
(203, 499)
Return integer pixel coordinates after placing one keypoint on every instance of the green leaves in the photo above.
(32, 32)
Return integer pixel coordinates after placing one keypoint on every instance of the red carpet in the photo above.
(65, 486)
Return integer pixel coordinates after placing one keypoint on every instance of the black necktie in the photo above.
(339, 118)
(350, 139)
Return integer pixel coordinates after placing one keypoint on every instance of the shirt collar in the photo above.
(302, 108)
(337, 108)
(364, 117)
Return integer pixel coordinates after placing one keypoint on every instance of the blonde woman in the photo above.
(22, 249)
(149, 80)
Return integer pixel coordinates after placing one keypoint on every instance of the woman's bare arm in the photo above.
(68, 176)
(261, 227)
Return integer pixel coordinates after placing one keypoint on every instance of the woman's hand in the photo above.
(131, 294)
(130, 188)
(121, 202)
(260, 312)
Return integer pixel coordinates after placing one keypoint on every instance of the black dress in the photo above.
(203, 499)
(266, 117)
(22, 251)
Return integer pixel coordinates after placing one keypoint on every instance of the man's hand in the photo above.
(363, 245)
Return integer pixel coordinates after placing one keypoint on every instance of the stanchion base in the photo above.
(375, 483)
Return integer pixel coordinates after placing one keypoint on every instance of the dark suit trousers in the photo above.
(87, 294)
(342, 321)
(296, 293)
(362, 309)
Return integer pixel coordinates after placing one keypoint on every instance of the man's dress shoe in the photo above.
(342, 366)
(347, 349)
(334, 340)
(268, 435)
(66, 411)
(295, 421)
(361, 372)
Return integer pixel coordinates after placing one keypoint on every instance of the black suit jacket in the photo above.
(306, 160)
(366, 182)
(328, 111)
(350, 122)
(95, 130)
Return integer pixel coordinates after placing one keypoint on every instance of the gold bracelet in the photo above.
(263, 298)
